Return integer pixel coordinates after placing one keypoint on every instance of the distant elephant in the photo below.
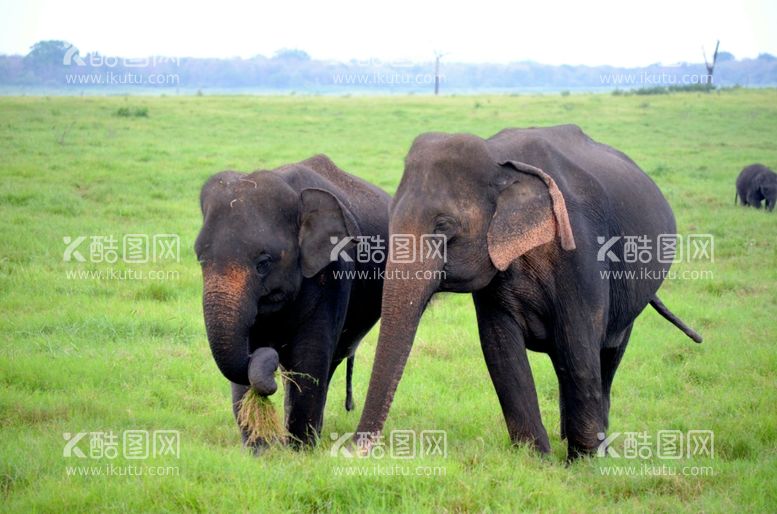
(755, 183)
(270, 281)
(523, 214)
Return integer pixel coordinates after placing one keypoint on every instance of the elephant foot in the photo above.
(576, 450)
(257, 448)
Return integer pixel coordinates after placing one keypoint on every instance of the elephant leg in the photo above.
(349, 405)
(349, 384)
(310, 365)
(610, 357)
(580, 384)
(562, 411)
(504, 350)
(238, 391)
(754, 198)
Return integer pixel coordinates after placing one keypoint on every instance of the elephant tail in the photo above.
(348, 388)
(664, 311)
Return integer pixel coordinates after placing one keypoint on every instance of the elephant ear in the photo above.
(530, 211)
(323, 219)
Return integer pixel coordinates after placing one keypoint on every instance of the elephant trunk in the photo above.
(229, 314)
(406, 292)
(261, 370)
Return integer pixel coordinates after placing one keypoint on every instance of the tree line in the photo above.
(58, 64)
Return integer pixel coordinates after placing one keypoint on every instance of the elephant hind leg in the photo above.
(562, 411)
(610, 358)
(580, 384)
(348, 385)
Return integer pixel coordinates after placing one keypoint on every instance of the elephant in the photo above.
(755, 183)
(272, 282)
(521, 213)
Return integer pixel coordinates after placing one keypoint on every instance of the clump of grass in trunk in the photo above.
(260, 419)
(258, 416)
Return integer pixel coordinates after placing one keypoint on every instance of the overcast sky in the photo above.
(616, 32)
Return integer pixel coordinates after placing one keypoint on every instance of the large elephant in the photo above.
(523, 214)
(271, 279)
(756, 183)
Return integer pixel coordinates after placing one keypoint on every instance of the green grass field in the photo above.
(87, 355)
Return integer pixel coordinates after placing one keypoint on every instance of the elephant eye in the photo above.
(263, 264)
(445, 225)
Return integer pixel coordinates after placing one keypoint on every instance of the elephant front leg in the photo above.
(306, 390)
(505, 354)
(238, 391)
(754, 199)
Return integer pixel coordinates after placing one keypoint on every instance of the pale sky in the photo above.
(589, 32)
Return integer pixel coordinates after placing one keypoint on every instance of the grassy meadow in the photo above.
(79, 354)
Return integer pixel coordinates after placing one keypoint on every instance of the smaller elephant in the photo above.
(275, 293)
(755, 183)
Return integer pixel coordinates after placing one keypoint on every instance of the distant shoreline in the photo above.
(39, 91)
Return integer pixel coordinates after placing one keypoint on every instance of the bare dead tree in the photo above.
(710, 67)
(437, 57)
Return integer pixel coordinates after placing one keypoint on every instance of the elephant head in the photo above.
(491, 212)
(260, 238)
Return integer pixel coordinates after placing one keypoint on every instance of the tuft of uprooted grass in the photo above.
(258, 416)
(260, 419)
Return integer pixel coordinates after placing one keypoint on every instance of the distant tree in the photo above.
(726, 56)
(711, 66)
(437, 57)
(50, 53)
(766, 57)
(291, 54)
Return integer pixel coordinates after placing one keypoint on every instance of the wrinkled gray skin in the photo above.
(756, 183)
(530, 262)
(270, 288)
(261, 370)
